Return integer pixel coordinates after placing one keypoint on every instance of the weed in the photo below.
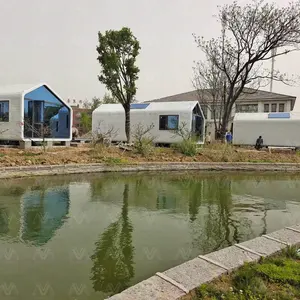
(291, 252)
(187, 147)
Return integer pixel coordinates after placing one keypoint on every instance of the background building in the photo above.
(251, 101)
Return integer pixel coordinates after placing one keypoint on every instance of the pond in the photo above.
(90, 236)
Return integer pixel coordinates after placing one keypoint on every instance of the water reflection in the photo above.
(34, 215)
(113, 257)
(125, 228)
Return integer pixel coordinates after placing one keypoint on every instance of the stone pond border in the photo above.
(42, 170)
(179, 281)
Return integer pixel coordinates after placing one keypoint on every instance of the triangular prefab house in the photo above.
(34, 113)
(165, 118)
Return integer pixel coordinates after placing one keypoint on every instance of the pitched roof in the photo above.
(249, 95)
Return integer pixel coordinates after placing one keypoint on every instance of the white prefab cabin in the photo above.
(165, 117)
(276, 129)
(33, 113)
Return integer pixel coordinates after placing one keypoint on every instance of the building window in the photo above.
(4, 111)
(273, 107)
(266, 108)
(281, 107)
(247, 108)
(67, 120)
(56, 126)
(168, 122)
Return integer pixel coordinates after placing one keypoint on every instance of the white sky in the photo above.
(55, 41)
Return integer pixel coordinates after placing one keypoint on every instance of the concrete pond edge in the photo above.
(180, 281)
(46, 170)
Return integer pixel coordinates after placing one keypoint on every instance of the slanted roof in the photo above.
(18, 89)
(7, 91)
(153, 106)
(249, 95)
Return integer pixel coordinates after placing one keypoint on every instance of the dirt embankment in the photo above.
(114, 155)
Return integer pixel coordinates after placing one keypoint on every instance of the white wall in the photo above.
(106, 120)
(12, 130)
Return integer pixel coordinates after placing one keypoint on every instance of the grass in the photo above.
(276, 277)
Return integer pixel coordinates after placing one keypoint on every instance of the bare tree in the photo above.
(103, 135)
(250, 34)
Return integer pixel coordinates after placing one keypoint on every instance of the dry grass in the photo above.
(84, 155)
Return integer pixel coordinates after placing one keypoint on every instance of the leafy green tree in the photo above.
(108, 99)
(117, 53)
(96, 102)
(86, 122)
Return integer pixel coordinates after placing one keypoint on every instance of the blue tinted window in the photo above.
(279, 116)
(168, 122)
(4, 111)
(45, 115)
(139, 105)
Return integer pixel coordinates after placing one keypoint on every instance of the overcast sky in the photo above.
(55, 41)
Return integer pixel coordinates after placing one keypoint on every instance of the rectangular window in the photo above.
(168, 122)
(281, 107)
(273, 107)
(4, 111)
(56, 126)
(247, 108)
(266, 108)
(67, 120)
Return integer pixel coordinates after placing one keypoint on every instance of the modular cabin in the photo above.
(165, 118)
(276, 129)
(33, 114)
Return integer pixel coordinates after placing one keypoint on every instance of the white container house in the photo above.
(276, 129)
(33, 113)
(166, 118)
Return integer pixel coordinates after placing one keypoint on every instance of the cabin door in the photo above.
(34, 122)
(197, 126)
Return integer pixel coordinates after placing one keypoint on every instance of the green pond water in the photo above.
(90, 236)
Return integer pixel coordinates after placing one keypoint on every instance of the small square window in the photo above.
(274, 107)
(281, 107)
(266, 108)
(168, 122)
(4, 111)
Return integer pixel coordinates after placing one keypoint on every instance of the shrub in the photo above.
(187, 147)
(143, 141)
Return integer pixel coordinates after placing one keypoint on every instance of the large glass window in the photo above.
(273, 107)
(45, 116)
(4, 111)
(168, 122)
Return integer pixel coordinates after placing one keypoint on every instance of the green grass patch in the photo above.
(273, 278)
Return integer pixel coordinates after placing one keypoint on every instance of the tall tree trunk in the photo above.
(127, 122)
